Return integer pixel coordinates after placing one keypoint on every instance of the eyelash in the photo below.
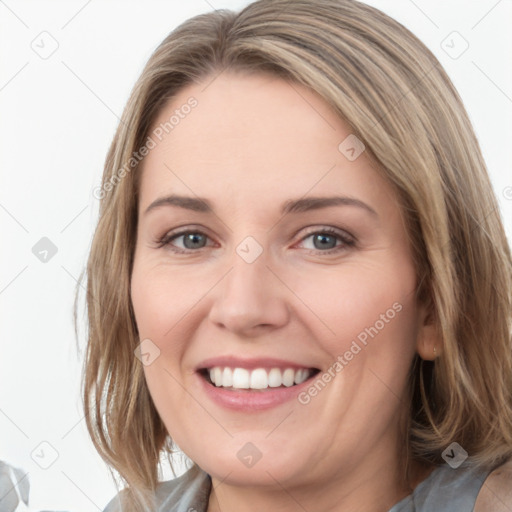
(347, 241)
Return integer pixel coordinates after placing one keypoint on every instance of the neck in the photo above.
(371, 487)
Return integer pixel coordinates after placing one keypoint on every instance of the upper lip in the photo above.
(249, 364)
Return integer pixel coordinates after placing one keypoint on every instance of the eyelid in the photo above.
(319, 228)
(347, 240)
(169, 236)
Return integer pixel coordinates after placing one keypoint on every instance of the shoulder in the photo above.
(14, 487)
(447, 488)
(496, 492)
(189, 491)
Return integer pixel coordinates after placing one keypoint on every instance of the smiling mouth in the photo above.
(260, 379)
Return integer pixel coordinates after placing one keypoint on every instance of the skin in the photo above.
(496, 492)
(252, 143)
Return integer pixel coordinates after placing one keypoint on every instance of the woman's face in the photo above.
(285, 258)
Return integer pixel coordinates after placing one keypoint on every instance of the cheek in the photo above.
(367, 322)
(163, 307)
(162, 299)
(359, 302)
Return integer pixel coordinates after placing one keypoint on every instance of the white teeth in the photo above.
(288, 377)
(301, 376)
(274, 378)
(259, 378)
(227, 377)
(217, 372)
(241, 378)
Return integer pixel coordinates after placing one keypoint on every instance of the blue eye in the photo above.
(324, 241)
(190, 240)
(193, 240)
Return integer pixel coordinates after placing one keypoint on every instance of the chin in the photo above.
(253, 464)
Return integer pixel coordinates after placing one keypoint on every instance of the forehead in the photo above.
(251, 138)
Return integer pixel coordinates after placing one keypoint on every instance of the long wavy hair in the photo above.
(393, 93)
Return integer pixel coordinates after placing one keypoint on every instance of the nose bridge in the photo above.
(250, 296)
(248, 279)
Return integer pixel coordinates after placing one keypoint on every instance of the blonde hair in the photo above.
(398, 100)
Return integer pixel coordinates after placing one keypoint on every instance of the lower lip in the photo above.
(247, 400)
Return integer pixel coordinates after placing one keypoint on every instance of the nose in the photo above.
(250, 300)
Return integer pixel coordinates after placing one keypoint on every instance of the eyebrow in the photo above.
(198, 204)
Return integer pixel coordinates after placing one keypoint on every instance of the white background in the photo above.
(58, 116)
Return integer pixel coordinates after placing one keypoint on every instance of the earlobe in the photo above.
(429, 342)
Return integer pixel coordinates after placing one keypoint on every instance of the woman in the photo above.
(299, 275)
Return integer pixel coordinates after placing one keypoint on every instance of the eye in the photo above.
(184, 241)
(327, 240)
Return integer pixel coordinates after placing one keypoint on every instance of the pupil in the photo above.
(193, 240)
(324, 241)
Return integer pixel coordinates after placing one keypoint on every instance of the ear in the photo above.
(429, 344)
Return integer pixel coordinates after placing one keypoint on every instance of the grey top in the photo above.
(14, 488)
(444, 490)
